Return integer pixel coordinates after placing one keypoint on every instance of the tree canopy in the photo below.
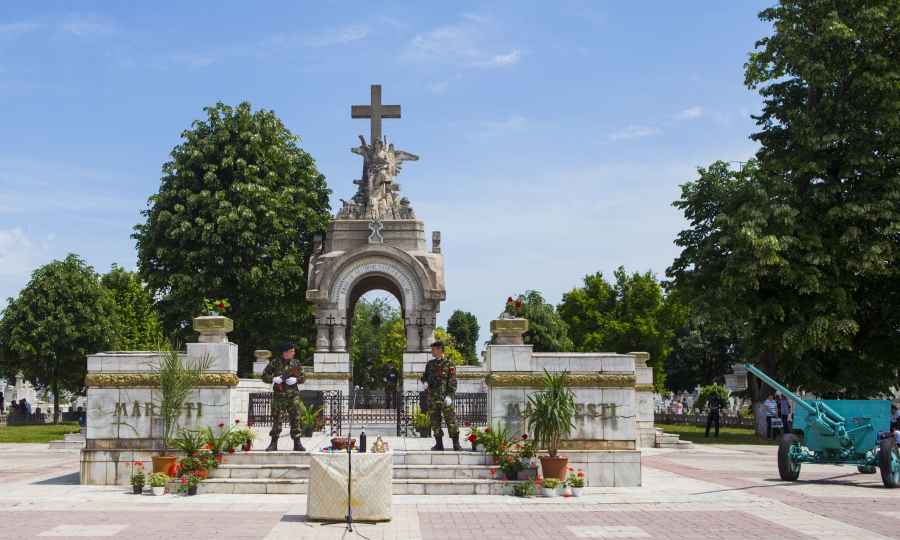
(137, 325)
(463, 326)
(234, 218)
(796, 253)
(630, 315)
(61, 316)
(699, 356)
(376, 345)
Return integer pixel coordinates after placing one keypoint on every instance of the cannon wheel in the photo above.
(787, 467)
(867, 469)
(889, 463)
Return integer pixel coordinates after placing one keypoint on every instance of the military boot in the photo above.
(439, 447)
(272, 445)
(456, 446)
(298, 446)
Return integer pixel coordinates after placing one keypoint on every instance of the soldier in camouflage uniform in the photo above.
(391, 379)
(286, 397)
(439, 380)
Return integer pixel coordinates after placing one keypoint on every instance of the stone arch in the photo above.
(414, 278)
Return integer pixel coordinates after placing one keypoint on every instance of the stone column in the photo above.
(323, 341)
(509, 331)
(427, 338)
(213, 329)
(338, 340)
(261, 360)
(413, 344)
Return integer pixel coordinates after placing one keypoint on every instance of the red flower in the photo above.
(221, 425)
(473, 437)
(221, 304)
(493, 471)
(524, 436)
(566, 495)
(508, 458)
(246, 448)
(518, 305)
(209, 447)
(509, 299)
(127, 464)
(184, 479)
(195, 454)
(238, 421)
(571, 469)
(198, 473)
(231, 450)
(249, 424)
(219, 459)
(468, 424)
(486, 430)
(139, 463)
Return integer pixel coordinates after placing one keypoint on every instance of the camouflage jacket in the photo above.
(278, 367)
(367, 379)
(440, 374)
(392, 376)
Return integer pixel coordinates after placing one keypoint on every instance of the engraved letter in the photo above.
(137, 409)
(512, 410)
(190, 409)
(121, 408)
(592, 409)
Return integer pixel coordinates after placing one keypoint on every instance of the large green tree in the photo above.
(796, 252)
(234, 218)
(463, 326)
(631, 314)
(61, 316)
(138, 325)
(547, 331)
(699, 356)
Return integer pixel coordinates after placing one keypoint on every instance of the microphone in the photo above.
(356, 389)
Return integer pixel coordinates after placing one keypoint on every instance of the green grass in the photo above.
(38, 434)
(727, 435)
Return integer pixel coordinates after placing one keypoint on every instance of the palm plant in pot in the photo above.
(178, 376)
(552, 417)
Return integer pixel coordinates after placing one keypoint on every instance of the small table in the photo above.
(371, 486)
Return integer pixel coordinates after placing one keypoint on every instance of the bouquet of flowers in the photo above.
(575, 480)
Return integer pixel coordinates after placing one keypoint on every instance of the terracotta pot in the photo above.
(554, 467)
(163, 463)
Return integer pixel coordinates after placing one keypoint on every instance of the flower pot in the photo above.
(555, 467)
(163, 463)
(562, 490)
(137, 490)
(549, 492)
(158, 491)
(576, 492)
(480, 448)
(192, 490)
(495, 460)
(308, 432)
(512, 475)
(425, 433)
(214, 313)
(526, 461)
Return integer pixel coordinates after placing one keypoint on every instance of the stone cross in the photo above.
(376, 238)
(376, 111)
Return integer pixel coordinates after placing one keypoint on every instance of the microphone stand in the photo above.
(350, 461)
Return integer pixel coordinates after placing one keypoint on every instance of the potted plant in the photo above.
(422, 423)
(475, 436)
(138, 479)
(216, 443)
(189, 481)
(576, 482)
(178, 376)
(188, 442)
(552, 416)
(216, 307)
(528, 488)
(511, 466)
(550, 486)
(243, 437)
(496, 441)
(309, 418)
(158, 482)
(529, 449)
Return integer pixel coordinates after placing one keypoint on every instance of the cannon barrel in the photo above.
(822, 417)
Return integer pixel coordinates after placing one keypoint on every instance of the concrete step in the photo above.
(452, 472)
(301, 486)
(74, 437)
(274, 471)
(680, 445)
(667, 438)
(444, 487)
(255, 485)
(66, 445)
(659, 430)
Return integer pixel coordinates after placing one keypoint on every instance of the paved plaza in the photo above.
(708, 492)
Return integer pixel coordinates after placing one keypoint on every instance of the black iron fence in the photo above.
(374, 408)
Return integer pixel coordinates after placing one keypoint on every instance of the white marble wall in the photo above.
(331, 362)
(413, 368)
(612, 468)
(520, 358)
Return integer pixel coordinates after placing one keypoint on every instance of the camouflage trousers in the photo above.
(436, 409)
(390, 395)
(286, 403)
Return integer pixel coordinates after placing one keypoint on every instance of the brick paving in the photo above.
(709, 492)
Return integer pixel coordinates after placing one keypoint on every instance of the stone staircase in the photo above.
(669, 440)
(416, 472)
(72, 441)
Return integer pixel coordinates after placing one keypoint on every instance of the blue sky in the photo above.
(552, 136)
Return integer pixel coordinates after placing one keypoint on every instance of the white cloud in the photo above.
(12, 29)
(87, 26)
(632, 132)
(690, 114)
(439, 87)
(466, 44)
(18, 258)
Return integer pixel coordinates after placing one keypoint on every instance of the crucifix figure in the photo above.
(376, 111)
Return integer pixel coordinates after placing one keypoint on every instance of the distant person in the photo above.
(2, 403)
(895, 416)
(786, 409)
(685, 406)
(714, 404)
(771, 407)
(15, 407)
(678, 408)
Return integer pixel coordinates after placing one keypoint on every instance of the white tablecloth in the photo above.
(371, 486)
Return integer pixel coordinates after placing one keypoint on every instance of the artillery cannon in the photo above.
(838, 432)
